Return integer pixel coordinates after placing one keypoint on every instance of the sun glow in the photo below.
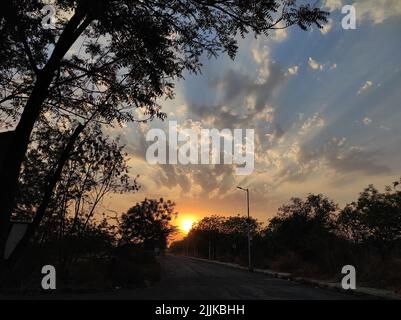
(186, 225)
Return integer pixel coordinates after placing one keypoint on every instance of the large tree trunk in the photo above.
(15, 154)
(46, 197)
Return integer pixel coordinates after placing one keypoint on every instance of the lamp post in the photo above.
(250, 268)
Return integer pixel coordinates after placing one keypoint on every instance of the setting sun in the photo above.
(186, 225)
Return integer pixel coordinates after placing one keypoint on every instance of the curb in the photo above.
(361, 291)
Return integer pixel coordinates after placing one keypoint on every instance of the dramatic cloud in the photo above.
(306, 137)
(244, 100)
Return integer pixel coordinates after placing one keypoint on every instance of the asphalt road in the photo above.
(186, 278)
(189, 279)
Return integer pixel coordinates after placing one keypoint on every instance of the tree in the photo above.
(375, 218)
(148, 223)
(131, 52)
(66, 206)
(215, 235)
(239, 226)
(212, 224)
(235, 235)
(206, 233)
(303, 225)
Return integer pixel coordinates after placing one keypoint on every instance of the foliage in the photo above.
(375, 218)
(96, 167)
(130, 51)
(148, 222)
(303, 225)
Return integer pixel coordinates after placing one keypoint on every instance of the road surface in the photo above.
(186, 278)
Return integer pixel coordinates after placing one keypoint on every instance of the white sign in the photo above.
(17, 232)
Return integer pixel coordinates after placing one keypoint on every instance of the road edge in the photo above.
(361, 291)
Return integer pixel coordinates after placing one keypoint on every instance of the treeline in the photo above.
(95, 254)
(312, 237)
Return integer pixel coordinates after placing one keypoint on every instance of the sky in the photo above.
(324, 104)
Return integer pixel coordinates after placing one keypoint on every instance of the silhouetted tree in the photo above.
(127, 54)
(374, 219)
(206, 233)
(148, 223)
(235, 235)
(239, 225)
(216, 236)
(66, 205)
(303, 226)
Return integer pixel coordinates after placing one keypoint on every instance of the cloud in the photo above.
(376, 11)
(327, 27)
(261, 57)
(366, 121)
(365, 87)
(275, 134)
(337, 155)
(288, 148)
(382, 127)
(316, 121)
(332, 5)
(293, 70)
(356, 160)
(171, 176)
(279, 35)
(243, 103)
(314, 65)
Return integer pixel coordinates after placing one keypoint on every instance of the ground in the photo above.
(186, 278)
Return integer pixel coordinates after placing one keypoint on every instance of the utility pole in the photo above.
(250, 267)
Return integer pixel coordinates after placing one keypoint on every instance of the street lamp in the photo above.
(249, 230)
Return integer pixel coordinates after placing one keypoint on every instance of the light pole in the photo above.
(249, 231)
